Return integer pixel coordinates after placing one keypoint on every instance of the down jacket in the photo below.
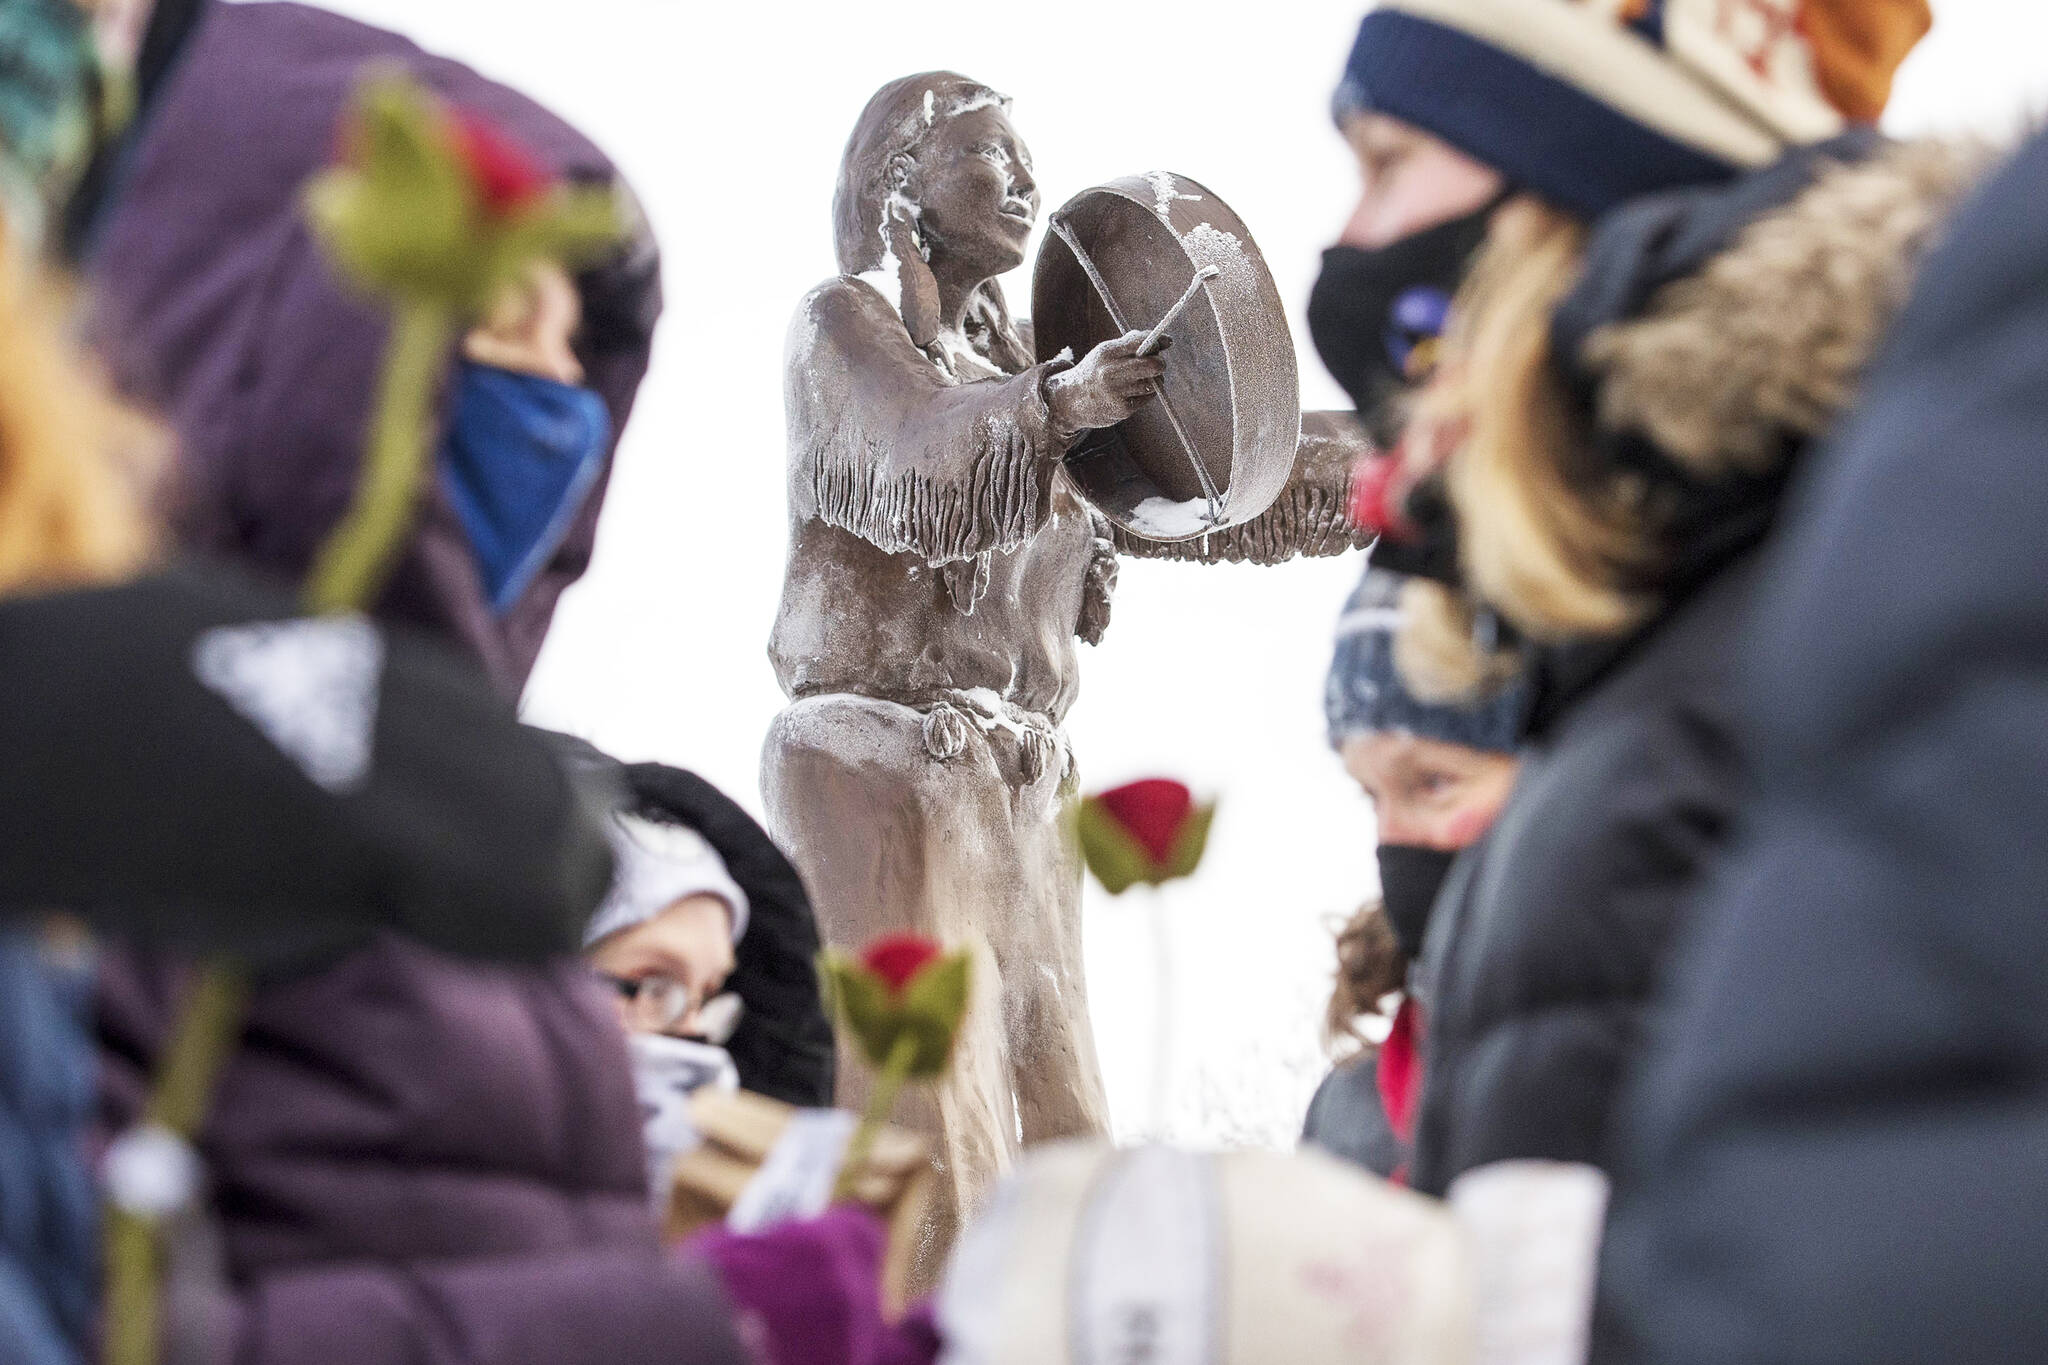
(1835, 1154)
(416, 1158)
(213, 304)
(1714, 333)
(190, 762)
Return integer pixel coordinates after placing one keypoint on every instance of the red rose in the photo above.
(1153, 811)
(1149, 831)
(508, 176)
(897, 958)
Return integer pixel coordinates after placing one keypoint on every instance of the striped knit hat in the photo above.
(1365, 694)
(1588, 103)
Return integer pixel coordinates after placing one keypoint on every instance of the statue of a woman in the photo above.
(941, 567)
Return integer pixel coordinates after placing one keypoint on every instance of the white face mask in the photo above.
(666, 1073)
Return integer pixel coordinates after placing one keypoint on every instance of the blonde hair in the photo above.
(1546, 537)
(70, 512)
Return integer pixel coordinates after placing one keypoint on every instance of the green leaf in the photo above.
(407, 219)
(862, 1001)
(1118, 861)
(1189, 845)
(932, 1005)
(404, 219)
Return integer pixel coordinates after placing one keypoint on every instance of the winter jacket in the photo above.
(1347, 1119)
(189, 761)
(417, 1158)
(213, 304)
(1553, 928)
(1835, 1152)
(48, 1254)
(1544, 954)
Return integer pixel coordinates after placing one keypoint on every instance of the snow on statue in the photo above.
(943, 562)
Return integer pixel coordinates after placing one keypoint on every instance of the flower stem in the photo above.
(205, 1037)
(1162, 1012)
(352, 566)
(882, 1103)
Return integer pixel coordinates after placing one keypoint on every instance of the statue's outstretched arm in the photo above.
(884, 445)
(1308, 517)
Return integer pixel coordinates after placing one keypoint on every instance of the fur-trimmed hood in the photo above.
(1714, 333)
(1726, 326)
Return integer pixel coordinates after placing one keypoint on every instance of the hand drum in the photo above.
(1216, 446)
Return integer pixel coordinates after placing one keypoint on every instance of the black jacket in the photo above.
(1544, 948)
(1839, 1149)
(1347, 1118)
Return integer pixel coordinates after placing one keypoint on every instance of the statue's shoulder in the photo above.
(842, 311)
(851, 297)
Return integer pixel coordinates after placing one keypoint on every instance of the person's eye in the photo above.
(1382, 162)
(1431, 786)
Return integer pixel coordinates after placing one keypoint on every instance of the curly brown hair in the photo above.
(1370, 967)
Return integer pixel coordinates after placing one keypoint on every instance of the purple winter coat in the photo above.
(213, 305)
(423, 1160)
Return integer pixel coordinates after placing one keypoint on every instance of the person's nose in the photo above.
(1360, 229)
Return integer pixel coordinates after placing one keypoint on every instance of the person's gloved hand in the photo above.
(809, 1292)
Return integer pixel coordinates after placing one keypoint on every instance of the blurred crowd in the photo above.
(1697, 679)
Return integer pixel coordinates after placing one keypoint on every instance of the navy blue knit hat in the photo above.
(1589, 103)
(1365, 694)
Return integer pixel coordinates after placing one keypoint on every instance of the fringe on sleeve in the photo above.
(886, 447)
(1308, 519)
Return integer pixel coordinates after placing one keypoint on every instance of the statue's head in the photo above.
(934, 163)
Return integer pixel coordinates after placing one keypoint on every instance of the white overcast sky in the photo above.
(729, 119)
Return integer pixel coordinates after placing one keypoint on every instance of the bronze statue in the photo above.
(942, 564)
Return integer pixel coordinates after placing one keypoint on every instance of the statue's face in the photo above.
(977, 197)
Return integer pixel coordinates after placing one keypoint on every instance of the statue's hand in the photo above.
(1111, 382)
(1099, 589)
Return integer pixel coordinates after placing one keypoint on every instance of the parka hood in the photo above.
(1725, 325)
(1714, 333)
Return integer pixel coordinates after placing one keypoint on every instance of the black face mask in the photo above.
(1410, 878)
(1376, 313)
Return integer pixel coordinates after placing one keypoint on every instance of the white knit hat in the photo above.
(656, 864)
(1093, 1256)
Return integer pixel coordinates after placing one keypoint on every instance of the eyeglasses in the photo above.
(662, 1003)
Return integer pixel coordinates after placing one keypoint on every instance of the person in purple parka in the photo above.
(210, 303)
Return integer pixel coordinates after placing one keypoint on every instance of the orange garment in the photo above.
(1857, 47)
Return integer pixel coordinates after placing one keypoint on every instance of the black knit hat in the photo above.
(193, 762)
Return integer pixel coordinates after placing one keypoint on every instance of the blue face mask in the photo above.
(518, 461)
